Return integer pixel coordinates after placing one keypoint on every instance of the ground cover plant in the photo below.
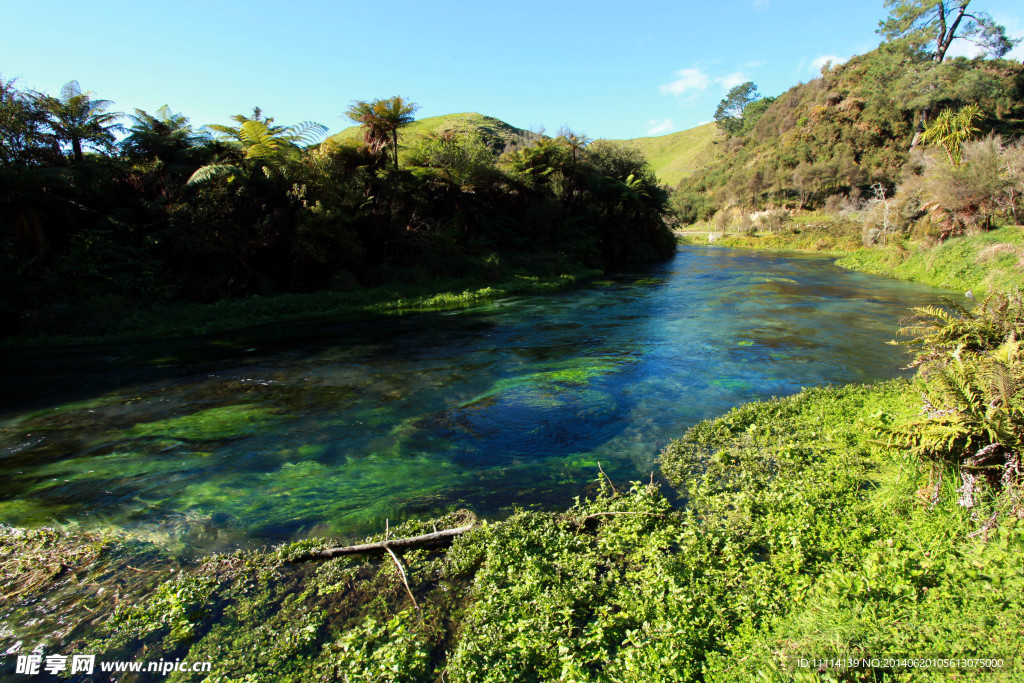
(866, 521)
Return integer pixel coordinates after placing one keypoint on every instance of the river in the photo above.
(328, 428)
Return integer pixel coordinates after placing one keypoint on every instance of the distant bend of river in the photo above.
(330, 428)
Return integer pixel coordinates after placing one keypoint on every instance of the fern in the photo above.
(974, 413)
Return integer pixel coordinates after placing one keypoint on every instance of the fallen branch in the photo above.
(610, 482)
(386, 546)
(405, 580)
(649, 514)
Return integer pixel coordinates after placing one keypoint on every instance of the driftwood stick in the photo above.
(610, 482)
(382, 546)
(649, 514)
(401, 571)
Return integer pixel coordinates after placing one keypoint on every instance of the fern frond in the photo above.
(211, 171)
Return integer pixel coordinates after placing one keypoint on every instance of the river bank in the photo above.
(988, 261)
(192, 319)
(803, 538)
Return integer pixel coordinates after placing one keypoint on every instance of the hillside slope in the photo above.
(679, 155)
(495, 133)
(672, 157)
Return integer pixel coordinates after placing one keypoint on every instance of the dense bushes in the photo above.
(178, 216)
(851, 129)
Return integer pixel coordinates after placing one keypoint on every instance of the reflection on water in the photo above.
(331, 428)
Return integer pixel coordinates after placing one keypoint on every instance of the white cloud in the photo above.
(818, 63)
(762, 4)
(732, 80)
(656, 127)
(754, 64)
(1014, 29)
(686, 79)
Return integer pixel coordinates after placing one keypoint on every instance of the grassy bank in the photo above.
(813, 232)
(188, 319)
(802, 537)
(981, 262)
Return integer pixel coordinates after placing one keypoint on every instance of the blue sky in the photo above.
(607, 69)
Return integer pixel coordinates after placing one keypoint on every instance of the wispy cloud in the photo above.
(754, 64)
(656, 127)
(762, 4)
(818, 63)
(1014, 29)
(687, 80)
(732, 80)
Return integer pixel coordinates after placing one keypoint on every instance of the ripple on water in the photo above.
(511, 403)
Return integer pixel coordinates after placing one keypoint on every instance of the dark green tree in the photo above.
(920, 23)
(24, 135)
(729, 115)
(162, 136)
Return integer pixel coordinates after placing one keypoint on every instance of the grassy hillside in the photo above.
(679, 155)
(672, 157)
(495, 132)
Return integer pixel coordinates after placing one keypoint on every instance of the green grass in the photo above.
(190, 319)
(494, 132)
(679, 155)
(983, 262)
(806, 232)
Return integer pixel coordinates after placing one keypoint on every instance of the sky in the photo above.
(605, 69)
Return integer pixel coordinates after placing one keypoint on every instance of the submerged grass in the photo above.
(802, 537)
(189, 319)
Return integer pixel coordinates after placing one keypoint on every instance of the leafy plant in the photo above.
(973, 419)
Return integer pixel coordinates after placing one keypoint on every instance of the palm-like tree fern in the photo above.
(77, 119)
(973, 419)
(259, 144)
(381, 120)
(163, 135)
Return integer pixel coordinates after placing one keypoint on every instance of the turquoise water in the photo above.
(329, 429)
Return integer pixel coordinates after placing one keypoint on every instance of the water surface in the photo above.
(329, 428)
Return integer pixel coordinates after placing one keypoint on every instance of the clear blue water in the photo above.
(331, 428)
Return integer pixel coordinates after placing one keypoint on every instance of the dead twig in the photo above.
(401, 571)
(414, 541)
(610, 482)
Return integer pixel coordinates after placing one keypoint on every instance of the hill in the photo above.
(495, 133)
(841, 134)
(672, 157)
(679, 155)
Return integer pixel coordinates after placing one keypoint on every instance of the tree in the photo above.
(260, 144)
(729, 115)
(917, 23)
(163, 135)
(79, 120)
(381, 120)
(23, 128)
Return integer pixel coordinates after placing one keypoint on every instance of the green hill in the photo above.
(679, 155)
(495, 133)
(673, 157)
